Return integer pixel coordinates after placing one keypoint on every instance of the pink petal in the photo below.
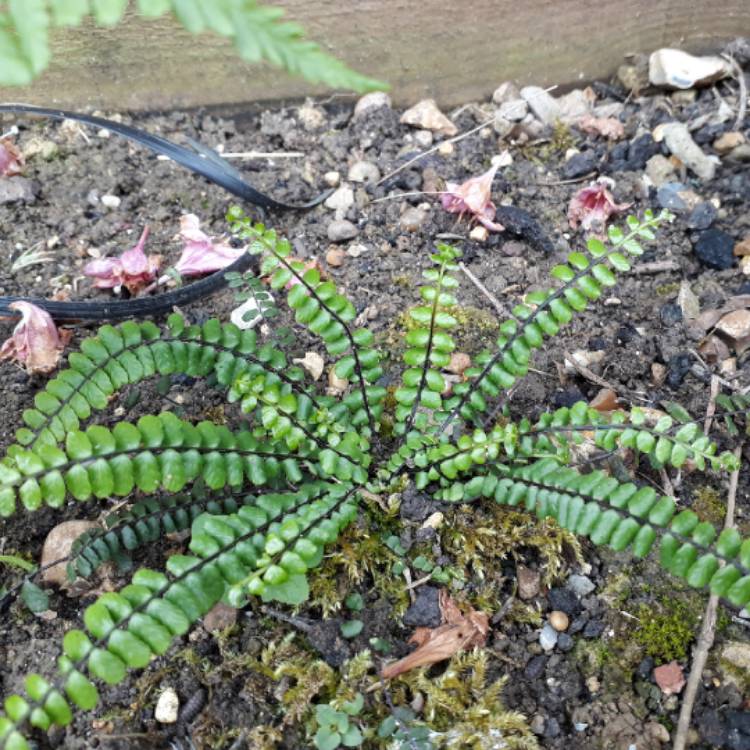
(133, 269)
(201, 253)
(36, 343)
(134, 261)
(593, 205)
(11, 159)
(474, 196)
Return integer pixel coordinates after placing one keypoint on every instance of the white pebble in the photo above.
(167, 707)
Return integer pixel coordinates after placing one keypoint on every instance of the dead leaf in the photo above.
(313, 363)
(605, 401)
(458, 632)
(735, 324)
(58, 545)
(688, 302)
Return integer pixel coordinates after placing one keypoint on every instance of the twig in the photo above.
(708, 630)
(711, 408)
(742, 104)
(407, 195)
(590, 375)
(571, 181)
(656, 267)
(455, 139)
(483, 289)
(666, 483)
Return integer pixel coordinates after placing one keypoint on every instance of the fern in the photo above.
(257, 32)
(263, 500)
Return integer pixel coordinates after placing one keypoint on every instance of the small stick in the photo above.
(657, 267)
(708, 631)
(406, 195)
(263, 155)
(483, 289)
(455, 139)
(589, 375)
(571, 181)
(711, 408)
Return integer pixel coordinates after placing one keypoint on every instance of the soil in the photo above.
(595, 690)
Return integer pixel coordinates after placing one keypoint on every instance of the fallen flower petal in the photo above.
(458, 632)
(133, 269)
(36, 342)
(592, 206)
(11, 159)
(474, 196)
(670, 678)
(201, 253)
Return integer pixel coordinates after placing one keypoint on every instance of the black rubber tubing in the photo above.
(201, 161)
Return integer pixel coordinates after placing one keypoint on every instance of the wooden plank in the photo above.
(452, 50)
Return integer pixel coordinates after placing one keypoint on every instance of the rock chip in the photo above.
(548, 637)
(544, 106)
(735, 324)
(426, 115)
(513, 111)
(332, 179)
(659, 170)
(580, 585)
(167, 707)
(335, 257)
(425, 611)
(714, 249)
(528, 582)
(363, 171)
(506, 92)
(412, 219)
(16, 190)
(370, 102)
(340, 230)
(579, 165)
(702, 216)
(559, 620)
(680, 70)
(573, 105)
(341, 199)
(423, 138)
(57, 545)
(727, 142)
(311, 117)
(564, 600)
(678, 140)
(677, 197)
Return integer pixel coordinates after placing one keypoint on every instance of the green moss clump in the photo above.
(709, 505)
(667, 290)
(665, 633)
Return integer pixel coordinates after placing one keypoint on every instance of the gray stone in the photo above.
(702, 216)
(715, 249)
(412, 219)
(16, 189)
(573, 105)
(680, 70)
(580, 585)
(536, 725)
(544, 107)
(737, 654)
(579, 165)
(678, 140)
(370, 102)
(341, 199)
(363, 171)
(340, 230)
(548, 637)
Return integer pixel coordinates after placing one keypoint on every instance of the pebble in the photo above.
(580, 585)
(702, 216)
(678, 140)
(565, 643)
(670, 314)
(479, 233)
(427, 115)
(335, 256)
(311, 117)
(573, 105)
(536, 725)
(341, 199)
(57, 545)
(528, 582)
(715, 249)
(363, 171)
(423, 138)
(16, 189)
(219, 617)
(737, 654)
(548, 637)
(513, 111)
(680, 70)
(425, 611)
(640, 150)
(728, 142)
(370, 102)
(111, 201)
(544, 106)
(355, 250)
(502, 125)
(559, 620)
(579, 165)
(412, 219)
(593, 629)
(332, 179)
(167, 707)
(48, 150)
(340, 230)
(677, 368)
(676, 197)
(660, 170)
(535, 666)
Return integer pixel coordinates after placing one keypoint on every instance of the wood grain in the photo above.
(454, 50)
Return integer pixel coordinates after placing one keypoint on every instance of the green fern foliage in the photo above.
(258, 33)
(264, 498)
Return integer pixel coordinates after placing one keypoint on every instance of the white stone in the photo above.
(167, 707)
(680, 70)
(506, 92)
(249, 308)
(423, 138)
(426, 115)
(363, 171)
(514, 111)
(573, 105)
(111, 201)
(332, 179)
(548, 637)
(580, 585)
(341, 199)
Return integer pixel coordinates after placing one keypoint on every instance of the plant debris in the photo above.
(36, 343)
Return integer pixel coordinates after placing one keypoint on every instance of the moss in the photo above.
(666, 631)
(710, 505)
(403, 280)
(668, 290)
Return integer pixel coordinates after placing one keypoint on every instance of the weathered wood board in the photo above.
(454, 50)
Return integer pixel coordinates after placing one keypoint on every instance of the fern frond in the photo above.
(544, 312)
(263, 549)
(258, 32)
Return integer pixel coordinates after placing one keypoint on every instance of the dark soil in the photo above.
(595, 689)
